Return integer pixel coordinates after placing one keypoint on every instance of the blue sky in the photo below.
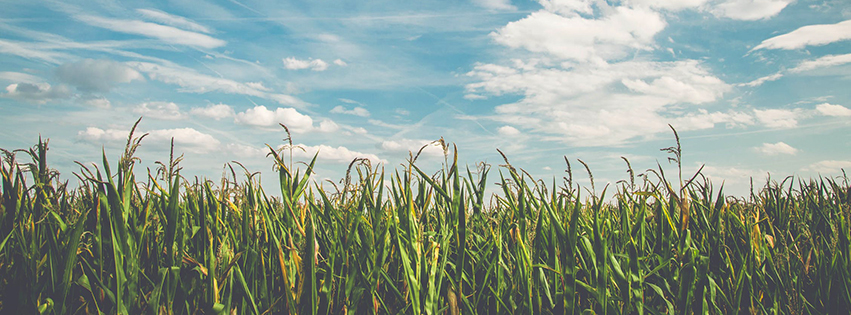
(752, 86)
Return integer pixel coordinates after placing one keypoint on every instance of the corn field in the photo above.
(414, 242)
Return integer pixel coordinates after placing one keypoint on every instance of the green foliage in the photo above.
(418, 244)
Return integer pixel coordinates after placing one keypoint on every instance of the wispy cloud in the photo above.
(191, 81)
(173, 20)
(168, 34)
(810, 35)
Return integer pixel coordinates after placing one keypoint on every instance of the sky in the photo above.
(753, 87)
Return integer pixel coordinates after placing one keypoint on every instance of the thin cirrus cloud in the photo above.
(192, 81)
(168, 34)
(173, 20)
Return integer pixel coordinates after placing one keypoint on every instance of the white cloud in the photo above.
(611, 36)
(673, 5)
(508, 131)
(96, 75)
(38, 93)
(19, 77)
(191, 81)
(776, 149)
(402, 112)
(822, 62)
(778, 118)
(173, 20)
(159, 110)
(357, 111)
(731, 174)
(263, 117)
(245, 151)
(26, 50)
(214, 111)
(749, 10)
(413, 145)
(340, 63)
(96, 102)
(501, 5)
(292, 63)
(258, 86)
(191, 139)
(338, 154)
(810, 35)
(328, 126)
(828, 167)
(599, 105)
(760, 81)
(833, 110)
(164, 33)
(93, 134)
(568, 7)
(184, 138)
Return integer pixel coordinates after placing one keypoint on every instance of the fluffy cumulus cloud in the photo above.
(38, 93)
(159, 110)
(339, 154)
(94, 134)
(168, 34)
(574, 37)
(214, 111)
(508, 131)
(833, 110)
(588, 104)
(778, 118)
(357, 111)
(327, 125)
(92, 75)
(293, 63)
(779, 148)
(749, 10)
(828, 166)
(187, 139)
(296, 122)
(810, 35)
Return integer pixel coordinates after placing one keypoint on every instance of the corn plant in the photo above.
(413, 241)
